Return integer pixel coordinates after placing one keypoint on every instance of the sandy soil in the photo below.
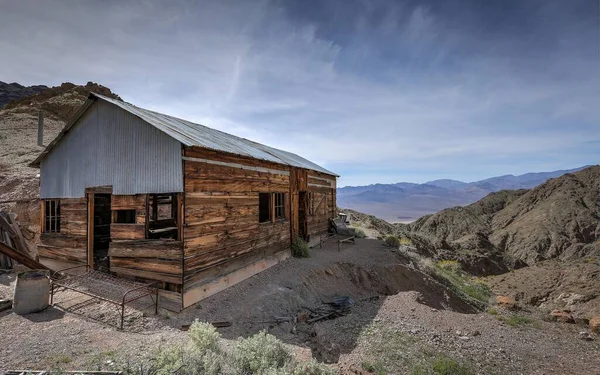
(400, 319)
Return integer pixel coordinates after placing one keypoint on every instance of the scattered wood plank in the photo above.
(21, 258)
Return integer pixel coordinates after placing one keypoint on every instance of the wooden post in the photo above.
(90, 230)
(42, 216)
(40, 141)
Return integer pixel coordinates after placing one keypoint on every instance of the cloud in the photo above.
(378, 91)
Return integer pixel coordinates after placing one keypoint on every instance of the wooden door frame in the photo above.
(89, 194)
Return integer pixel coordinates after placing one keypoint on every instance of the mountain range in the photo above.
(406, 202)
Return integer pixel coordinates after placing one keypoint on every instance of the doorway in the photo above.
(101, 231)
(303, 215)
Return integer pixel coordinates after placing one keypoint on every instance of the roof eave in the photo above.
(91, 99)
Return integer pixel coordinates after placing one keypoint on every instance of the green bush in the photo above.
(392, 241)
(359, 233)
(518, 320)
(450, 265)
(204, 337)
(259, 353)
(405, 241)
(300, 248)
(448, 366)
(312, 367)
(168, 360)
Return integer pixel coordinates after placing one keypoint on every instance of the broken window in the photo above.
(264, 207)
(162, 216)
(52, 216)
(124, 216)
(271, 207)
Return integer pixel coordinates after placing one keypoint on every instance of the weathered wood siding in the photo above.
(222, 233)
(322, 206)
(131, 254)
(71, 243)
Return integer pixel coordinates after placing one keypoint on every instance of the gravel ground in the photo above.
(400, 319)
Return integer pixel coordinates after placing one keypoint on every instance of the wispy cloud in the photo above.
(378, 91)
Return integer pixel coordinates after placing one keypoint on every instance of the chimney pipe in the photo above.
(40, 128)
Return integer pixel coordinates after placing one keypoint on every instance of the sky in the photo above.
(377, 91)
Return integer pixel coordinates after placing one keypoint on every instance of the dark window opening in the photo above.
(162, 216)
(264, 207)
(271, 207)
(52, 216)
(279, 201)
(124, 216)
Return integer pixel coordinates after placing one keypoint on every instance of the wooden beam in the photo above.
(90, 230)
(21, 258)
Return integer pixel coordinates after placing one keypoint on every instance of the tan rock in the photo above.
(562, 316)
(506, 302)
(595, 324)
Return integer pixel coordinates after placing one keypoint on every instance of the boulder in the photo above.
(595, 324)
(562, 316)
(506, 302)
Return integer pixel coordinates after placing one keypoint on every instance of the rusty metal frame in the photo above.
(61, 279)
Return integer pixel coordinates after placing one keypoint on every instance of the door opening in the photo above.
(102, 217)
(303, 215)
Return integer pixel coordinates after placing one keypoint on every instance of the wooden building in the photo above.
(153, 197)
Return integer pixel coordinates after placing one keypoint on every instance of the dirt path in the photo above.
(400, 319)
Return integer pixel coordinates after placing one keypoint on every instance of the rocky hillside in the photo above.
(18, 133)
(14, 91)
(558, 219)
(59, 102)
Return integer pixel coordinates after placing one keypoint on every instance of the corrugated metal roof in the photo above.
(192, 134)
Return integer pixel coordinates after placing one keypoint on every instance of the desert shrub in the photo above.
(259, 353)
(167, 360)
(204, 337)
(312, 367)
(359, 233)
(300, 248)
(518, 320)
(405, 241)
(392, 241)
(207, 363)
(450, 265)
(448, 366)
(492, 311)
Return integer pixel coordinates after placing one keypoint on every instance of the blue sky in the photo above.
(377, 91)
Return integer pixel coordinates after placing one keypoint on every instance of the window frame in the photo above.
(115, 214)
(277, 207)
(52, 215)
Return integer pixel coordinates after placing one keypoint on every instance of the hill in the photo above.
(405, 202)
(15, 91)
(18, 132)
(510, 229)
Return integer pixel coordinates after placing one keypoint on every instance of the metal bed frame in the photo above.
(103, 286)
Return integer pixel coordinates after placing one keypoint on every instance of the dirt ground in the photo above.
(399, 319)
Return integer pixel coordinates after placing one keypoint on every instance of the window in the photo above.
(264, 207)
(52, 216)
(271, 207)
(124, 216)
(162, 216)
(279, 201)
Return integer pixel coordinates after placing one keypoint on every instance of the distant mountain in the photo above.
(559, 219)
(404, 201)
(14, 91)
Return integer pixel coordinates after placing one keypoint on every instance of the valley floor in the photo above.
(401, 321)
